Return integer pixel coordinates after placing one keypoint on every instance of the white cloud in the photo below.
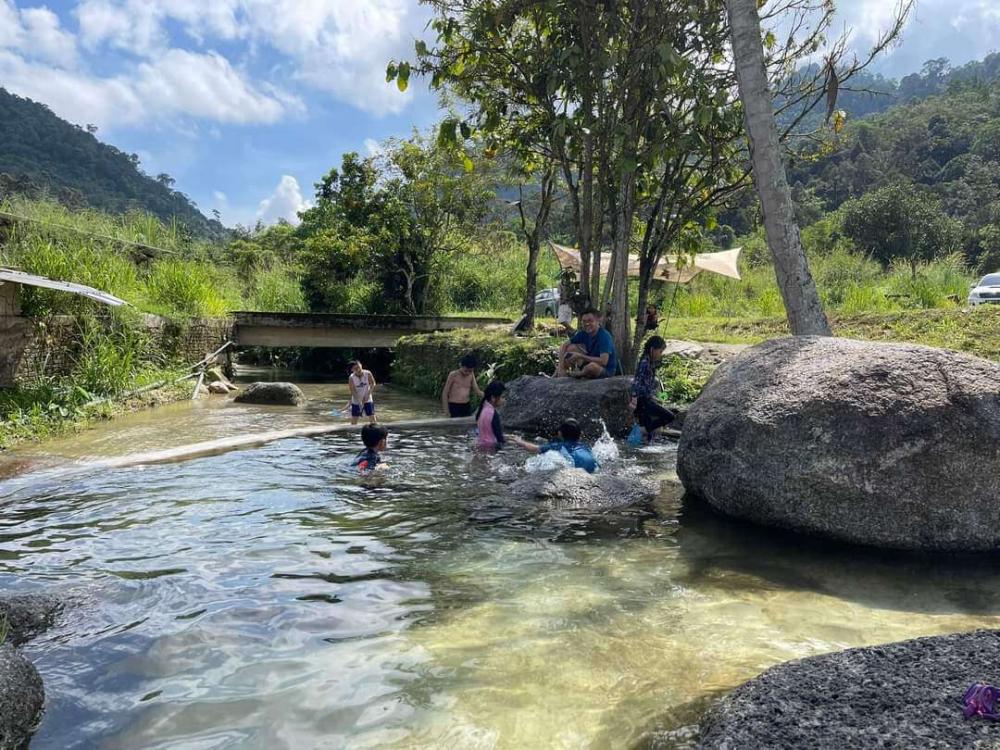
(179, 84)
(337, 46)
(36, 33)
(373, 147)
(284, 203)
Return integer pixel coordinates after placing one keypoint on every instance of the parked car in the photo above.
(987, 291)
(547, 303)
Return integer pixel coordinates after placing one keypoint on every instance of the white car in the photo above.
(547, 303)
(986, 292)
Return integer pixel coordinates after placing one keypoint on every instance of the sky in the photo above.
(248, 103)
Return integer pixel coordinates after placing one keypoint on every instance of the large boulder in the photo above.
(890, 445)
(281, 394)
(21, 699)
(900, 695)
(565, 489)
(539, 405)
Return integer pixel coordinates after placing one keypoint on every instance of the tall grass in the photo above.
(137, 257)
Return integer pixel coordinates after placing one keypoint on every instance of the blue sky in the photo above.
(247, 103)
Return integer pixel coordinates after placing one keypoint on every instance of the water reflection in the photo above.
(271, 598)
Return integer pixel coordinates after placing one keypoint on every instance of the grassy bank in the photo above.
(975, 331)
(46, 410)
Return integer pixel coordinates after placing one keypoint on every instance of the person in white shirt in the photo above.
(362, 385)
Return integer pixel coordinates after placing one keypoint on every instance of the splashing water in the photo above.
(605, 449)
(548, 462)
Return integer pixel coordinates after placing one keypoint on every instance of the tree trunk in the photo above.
(618, 273)
(798, 290)
(531, 283)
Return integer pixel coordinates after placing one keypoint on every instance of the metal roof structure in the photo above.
(13, 276)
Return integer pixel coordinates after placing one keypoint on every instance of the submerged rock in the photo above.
(539, 405)
(27, 615)
(281, 394)
(21, 699)
(576, 489)
(889, 445)
(900, 695)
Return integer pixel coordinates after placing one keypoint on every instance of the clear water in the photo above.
(269, 598)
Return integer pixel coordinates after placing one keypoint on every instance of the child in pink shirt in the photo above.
(488, 418)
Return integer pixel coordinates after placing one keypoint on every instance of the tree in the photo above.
(798, 290)
(898, 222)
(388, 220)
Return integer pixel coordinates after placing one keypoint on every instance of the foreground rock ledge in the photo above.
(888, 445)
(279, 394)
(539, 405)
(21, 699)
(900, 695)
(571, 489)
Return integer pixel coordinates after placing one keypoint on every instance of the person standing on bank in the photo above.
(590, 353)
(649, 413)
(459, 387)
(362, 385)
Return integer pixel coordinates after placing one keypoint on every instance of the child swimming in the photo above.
(491, 436)
(374, 438)
(568, 444)
(362, 385)
(459, 387)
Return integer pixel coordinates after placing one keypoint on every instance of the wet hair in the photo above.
(591, 311)
(469, 361)
(653, 342)
(494, 390)
(372, 435)
(570, 430)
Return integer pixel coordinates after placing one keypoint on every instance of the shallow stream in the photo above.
(270, 598)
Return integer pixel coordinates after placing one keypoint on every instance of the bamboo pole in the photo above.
(242, 442)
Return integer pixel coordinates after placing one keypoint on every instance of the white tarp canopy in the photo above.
(14, 276)
(724, 264)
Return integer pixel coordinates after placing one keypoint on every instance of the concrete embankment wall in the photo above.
(33, 348)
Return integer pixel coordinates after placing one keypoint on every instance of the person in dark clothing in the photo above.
(374, 438)
(652, 318)
(650, 415)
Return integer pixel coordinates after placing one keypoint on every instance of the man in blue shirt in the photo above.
(568, 445)
(591, 352)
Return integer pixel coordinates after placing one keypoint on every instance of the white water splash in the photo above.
(605, 450)
(549, 461)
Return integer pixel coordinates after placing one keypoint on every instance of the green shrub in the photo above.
(192, 289)
(423, 362)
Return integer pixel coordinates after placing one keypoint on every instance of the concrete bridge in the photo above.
(341, 331)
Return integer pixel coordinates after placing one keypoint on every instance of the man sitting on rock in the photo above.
(590, 353)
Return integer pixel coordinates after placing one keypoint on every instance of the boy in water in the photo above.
(568, 444)
(374, 437)
(458, 388)
(362, 385)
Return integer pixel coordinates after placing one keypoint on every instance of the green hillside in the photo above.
(43, 154)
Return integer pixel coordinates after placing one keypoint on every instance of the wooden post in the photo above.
(9, 303)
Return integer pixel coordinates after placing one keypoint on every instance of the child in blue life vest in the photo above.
(568, 444)
(374, 437)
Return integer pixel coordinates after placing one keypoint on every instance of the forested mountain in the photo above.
(41, 153)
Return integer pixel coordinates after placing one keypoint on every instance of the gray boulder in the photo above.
(900, 695)
(889, 445)
(21, 699)
(566, 489)
(27, 615)
(280, 394)
(539, 405)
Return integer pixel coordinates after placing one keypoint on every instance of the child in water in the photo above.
(374, 437)
(568, 444)
(459, 387)
(362, 385)
(488, 419)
